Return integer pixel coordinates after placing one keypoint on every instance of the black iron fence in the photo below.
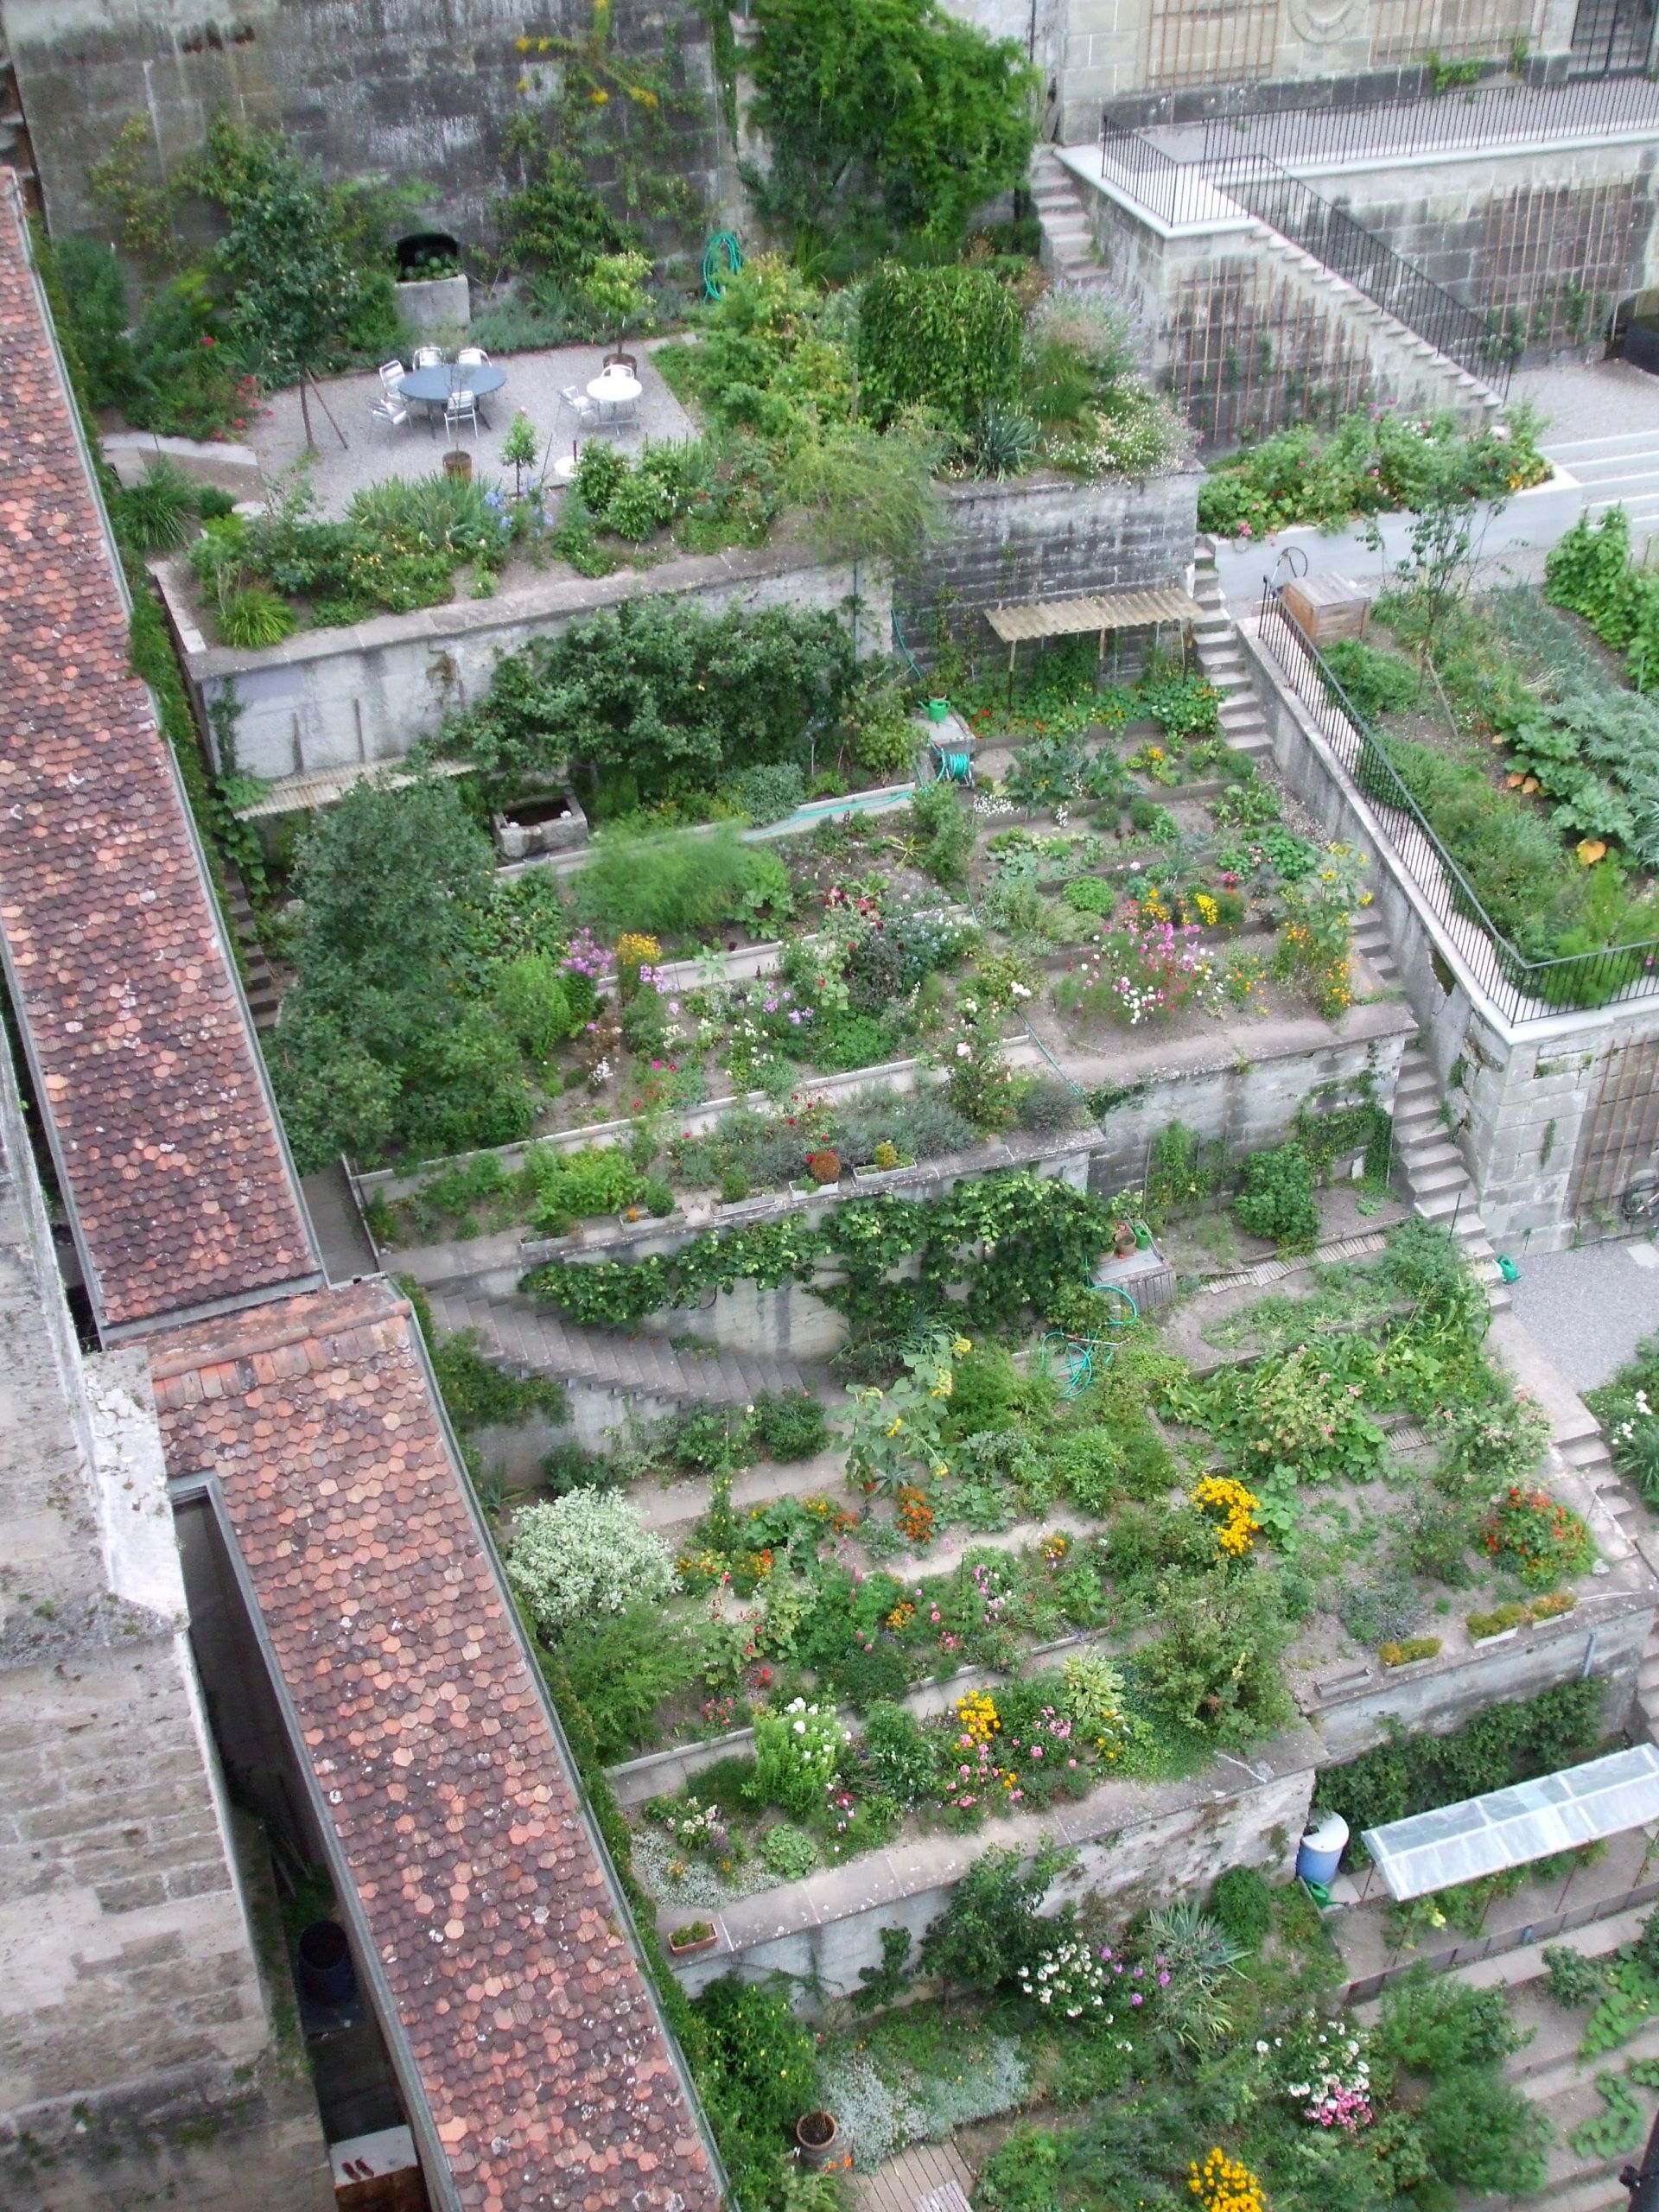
(1504, 113)
(1175, 192)
(1522, 990)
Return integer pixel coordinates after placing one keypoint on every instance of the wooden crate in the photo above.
(1328, 606)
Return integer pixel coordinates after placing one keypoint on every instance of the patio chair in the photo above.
(428, 357)
(473, 357)
(461, 407)
(585, 410)
(391, 375)
(391, 411)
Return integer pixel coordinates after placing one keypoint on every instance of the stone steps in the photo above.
(258, 983)
(1069, 251)
(1242, 722)
(531, 1339)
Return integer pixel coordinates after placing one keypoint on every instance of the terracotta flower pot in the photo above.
(816, 2134)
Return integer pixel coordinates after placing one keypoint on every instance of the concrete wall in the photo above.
(134, 2060)
(1550, 1116)
(1043, 538)
(336, 698)
(1136, 1845)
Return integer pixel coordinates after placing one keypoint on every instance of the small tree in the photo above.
(614, 289)
(518, 450)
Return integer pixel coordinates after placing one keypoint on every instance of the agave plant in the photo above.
(1195, 1946)
(1004, 442)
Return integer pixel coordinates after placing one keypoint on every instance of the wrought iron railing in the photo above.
(1522, 990)
(1504, 114)
(1369, 263)
(1178, 192)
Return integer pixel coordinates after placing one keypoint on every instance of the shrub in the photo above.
(1483, 2134)
(584, 1555)
(1375, 682)
(758, 2074)
(1243, 1903)
(948, 338)
(157, 514)
(897, 1754)
(1044, 1106)
(797, 1756)
(1574, 1979)
(1413, 1647)
(674, 887)
(529, 997)
(767, 794)
(790, 1853)
(788, 1426)
(1543, 1541)
(944, 829)
(622, 1667)
(575, 1185)
(1023, 2176)
(990, 1927)
(1276, 1199)
(1433, 2025)
(1215, 1670)
(253, 618)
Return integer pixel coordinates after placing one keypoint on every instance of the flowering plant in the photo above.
(1237, 1507)
(1142, 974)
(1317, 935)
(1224, 2184)
(1544, 1541)
(1071, 1979)
(1326, 2075)
(797, 1755)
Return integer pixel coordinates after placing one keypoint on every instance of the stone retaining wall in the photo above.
(1551, 1117)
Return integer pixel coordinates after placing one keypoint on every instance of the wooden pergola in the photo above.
(1106, 614)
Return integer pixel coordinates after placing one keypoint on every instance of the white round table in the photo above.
(615, 388)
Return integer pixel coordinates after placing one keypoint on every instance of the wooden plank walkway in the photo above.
(902, 2183)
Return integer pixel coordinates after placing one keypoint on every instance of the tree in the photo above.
(614, 289)
(518, 450)
(885, 118)
(288, 253)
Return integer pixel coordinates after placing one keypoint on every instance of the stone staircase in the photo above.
(1216, 635)
(258, 983)
(1406, 368)
(1069, 251)
(530, 1339)
(1621, 470)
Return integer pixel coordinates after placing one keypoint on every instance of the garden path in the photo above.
(1588, 1308)
(900, 2184)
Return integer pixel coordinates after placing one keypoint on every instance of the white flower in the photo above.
(964, 1051)
(1262, 2049)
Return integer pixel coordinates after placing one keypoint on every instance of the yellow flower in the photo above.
(961, 1346)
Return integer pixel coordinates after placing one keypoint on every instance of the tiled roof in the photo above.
(180, 1185)
(541, 2056)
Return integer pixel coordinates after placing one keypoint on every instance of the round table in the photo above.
(615, 388)
(432, 387)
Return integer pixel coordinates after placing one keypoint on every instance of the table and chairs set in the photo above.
(453, 393)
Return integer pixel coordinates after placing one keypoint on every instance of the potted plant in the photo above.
(1123, 1239)
(695, 1935)
(815, 2138)
(614, 289)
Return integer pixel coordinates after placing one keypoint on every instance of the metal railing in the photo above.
(1179, 192)
(1504, 114)
(1522, 990)
(1371, 265)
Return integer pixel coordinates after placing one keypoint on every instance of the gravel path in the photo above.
(1588, 1308)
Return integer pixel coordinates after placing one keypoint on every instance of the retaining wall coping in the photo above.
(934, 1862)
(457, 618)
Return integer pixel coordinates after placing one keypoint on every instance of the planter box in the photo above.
(436, 303)
(690, 1950)
(1539, 517)
(554, 824)
(875, 1176)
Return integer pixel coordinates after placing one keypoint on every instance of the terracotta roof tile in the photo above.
(180, 1184)
(544, 2061)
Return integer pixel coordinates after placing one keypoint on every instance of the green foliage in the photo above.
(90, 285)
(944, 830)
(767, 794)
(1623, 2127)
(1430, 2024)
(1372, 462)
(302, 299)
(254, 618)
(757, 2078)
(1596, 754)
(1024, 2175)
(1373, 683)
(480, 1394)
(1483, 2134)
(884, 118)
(900, 1760)
(533, 1005)
(990, 1927)
(946, 338)
(158, 513)
(1628, 1409)
(1182, 1171)
(788, 1426)
(1574, 1979)
(584, 1555)
(867, 496)
(656, 699)
(557, 221)
(798, 1753)
(1214, 1672)
(1275, 1199)
(674, 887)
(881, 1985)
(1243, 1903)
(1504, 1744)
(790, 1852)
(623, 1666)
